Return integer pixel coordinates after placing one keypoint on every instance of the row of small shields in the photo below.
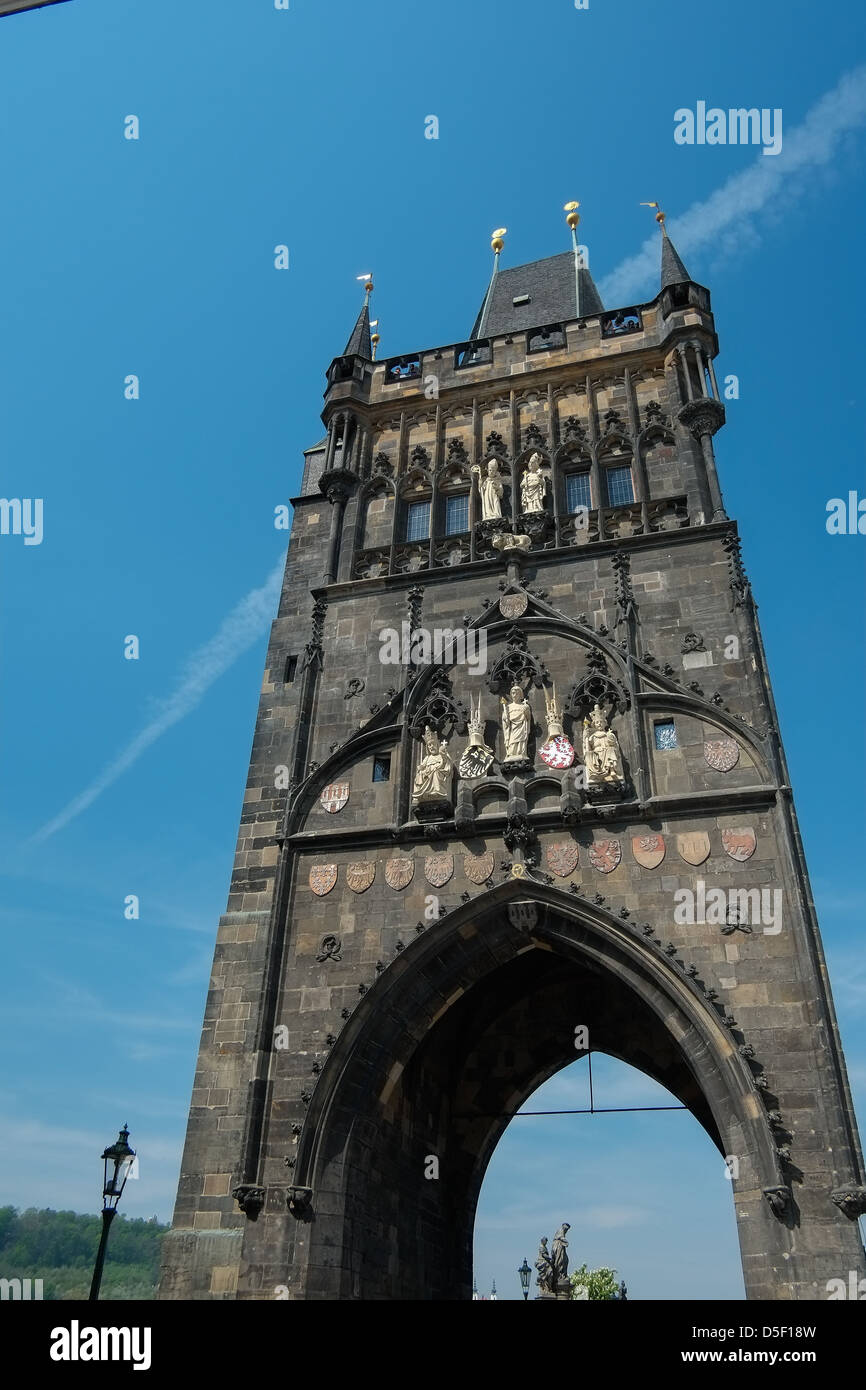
(562, 857)
(399, 872)
(649, 850)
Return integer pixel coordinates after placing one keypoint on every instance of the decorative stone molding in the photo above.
(702, 417)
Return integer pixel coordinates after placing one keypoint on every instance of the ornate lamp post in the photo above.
(525, 1273)
(118, 1161)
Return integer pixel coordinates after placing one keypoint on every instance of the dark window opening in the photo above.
(475, 354)
(291, 669)
(382, 768)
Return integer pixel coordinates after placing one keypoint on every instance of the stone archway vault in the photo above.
(448, 1044)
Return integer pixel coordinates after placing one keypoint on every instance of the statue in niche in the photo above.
(533, 487)
(435, 771)
(477, 757)
(490, 488)
(601, 752)
(516, 723)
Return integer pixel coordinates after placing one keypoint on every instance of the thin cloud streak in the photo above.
(237, 632)
(808, 147)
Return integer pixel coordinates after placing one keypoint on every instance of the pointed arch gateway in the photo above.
(448, 1044)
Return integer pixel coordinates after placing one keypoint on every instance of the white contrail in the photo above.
(238, 631)
(809, 146)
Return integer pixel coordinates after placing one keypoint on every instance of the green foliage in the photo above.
(59, 1247)
(601, 1283)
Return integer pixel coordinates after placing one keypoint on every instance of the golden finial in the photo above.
(573, 216)
(374, 337)
(367, 277)
(497, 243)
(660, 216)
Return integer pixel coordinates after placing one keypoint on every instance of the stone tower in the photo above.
(516, 770)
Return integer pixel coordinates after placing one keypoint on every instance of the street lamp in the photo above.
(525, 1275)
(118, 1160)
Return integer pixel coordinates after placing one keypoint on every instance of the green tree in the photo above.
(601, 1283)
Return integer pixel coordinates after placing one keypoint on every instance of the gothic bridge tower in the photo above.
(577, 813)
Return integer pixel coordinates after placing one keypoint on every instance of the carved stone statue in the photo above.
(533, 486)
(490, 488)
(477, 757)
(601, 751)
(516, 723)
(559, 1255)
(435, 771)
(544, 1267)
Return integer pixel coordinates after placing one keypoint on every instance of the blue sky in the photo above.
(155, 257)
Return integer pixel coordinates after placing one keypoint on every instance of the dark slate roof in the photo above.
(359, 345)
(550, 285)
(673, 270)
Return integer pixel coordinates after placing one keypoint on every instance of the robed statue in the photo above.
(516, 723)
(533, 486)
(601, 752)
(559, 1255)
(490, 487)
(435, 771)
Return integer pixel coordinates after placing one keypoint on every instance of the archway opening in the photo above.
(437, 1060)
(642, 1185)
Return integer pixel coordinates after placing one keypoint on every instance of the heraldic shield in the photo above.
(438, 868)
(322, 878)
(334, 797)
(478, 867)
(648, 850)
(398, 872)
(523, 915)
(694, 846)
(557, 752)
(562, 857)
(740, 844)
(360, 875)
(722, 753)
(605, 855)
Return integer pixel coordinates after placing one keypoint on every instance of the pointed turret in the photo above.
(673, 270)
(359, 344)
(587, 300)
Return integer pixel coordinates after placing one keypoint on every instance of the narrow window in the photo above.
(457, 514)
(418, 521)
(665, 735)
(620, 488)
(382, 768)
(291, 669)
(577, 491)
